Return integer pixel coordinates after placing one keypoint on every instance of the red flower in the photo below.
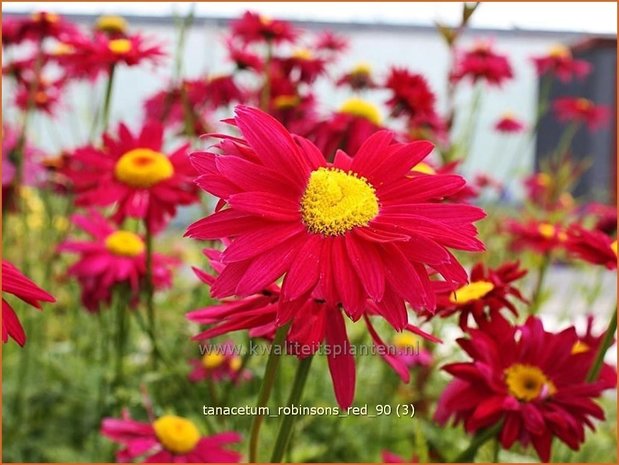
(588, 345)
(411, 96)
(112, 258)
(90, 57)
(301, 66)
(358, 78)
(330, 42)
(508, 123)
(526, 377)
(37, 27)
(244, 59)
(348, 128)
(581, 110)
(592, 246)
(252, 27)
(605, 217)
(132, 172)
(218, 363)
(312, 322)
(488, 289)
(14, 282)
(360, 219)
(223, 90)
(536, 235)
(168, 439)
(482, 63)
(43, 96)
(559, 62)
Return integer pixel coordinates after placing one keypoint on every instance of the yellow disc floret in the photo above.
(613, 246)
(404, 340)
(178, 435)
(302, 54)
(143, 168)
(213, 360)
(362, 68)
(111, 23)
(472, 291)
(547, 230)
(335, 202)
(124, 243)
(236, 363)
(363, 109)
(559, 51)
(579, 347)
(120, 46)
(286, 101)
(528, 382)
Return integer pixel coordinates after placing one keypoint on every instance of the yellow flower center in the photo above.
(143, 168)
(363, 109)
(235, 363)
(120, 46)
(302, 54)
(40, 98)
(528, 382)
(335, 202)
(211, 361)
(579, 347)
(178, 435)
(63, 49)
(49, 17)
(471, 291)
(286, 101)
(362, 68)
(111, 23)
(614, 247)
(559, 51)
(583, 104)
(404, 340)
(543, 179)
(546, 230)
(124, 243)
(265, 20)
(423, 168)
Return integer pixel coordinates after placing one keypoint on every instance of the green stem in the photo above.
(107, 102)
(606, 343)
(537, 292)
(150, 303)
(287, 425)
(265, 389)
(265, 97)
(468, 455)
(121, 308)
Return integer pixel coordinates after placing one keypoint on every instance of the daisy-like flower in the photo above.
(223, 90)
(592, 246)
(110, 259)
(482, 63)
(581, 110)
(312, 322)
(587, 346)
(508, 123)
(529, 379)
(560, 63)
(15, 283)
(347, 128)
(256, 28)
(538, 236)
(45, 98)
(168, 439)
(302, 66)
(218, 363)
(37, 27)
(97, 55)
(410, 96)
(358, 219)
(484, 295)
(113, 26)
(330, 42)
(242, 58)
(132, 172)
(358, 78)
(605, 217)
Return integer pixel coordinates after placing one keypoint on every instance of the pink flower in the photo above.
(168, 439)
(581, 110)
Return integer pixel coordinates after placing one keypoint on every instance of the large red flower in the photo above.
(111, 259)
(37, 27)
(312, 322)
(132, 172)
(531, 380)
(488, 289)
(536, 235)
(410, 96)
(345, 232)
(559, 62)
(482, 63)
(252, 28)
(14, 282)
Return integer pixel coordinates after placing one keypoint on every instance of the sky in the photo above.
(592, 17)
